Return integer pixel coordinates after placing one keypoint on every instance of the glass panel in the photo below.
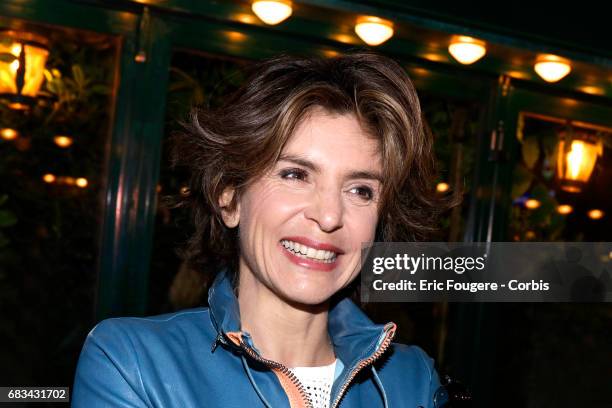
(455, 125)
(195, 80)
(52, 167)
(552, 355)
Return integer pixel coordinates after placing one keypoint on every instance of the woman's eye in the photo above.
(364, 192)
(293, 174)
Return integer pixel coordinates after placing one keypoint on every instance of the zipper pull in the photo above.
(218, 340)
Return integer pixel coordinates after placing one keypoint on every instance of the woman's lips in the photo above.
(309, 263)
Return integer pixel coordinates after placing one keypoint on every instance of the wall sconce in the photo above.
(23, 57)
(576, 157)
(552, 68)
(467, 50)
(272, 12)
(373, 30)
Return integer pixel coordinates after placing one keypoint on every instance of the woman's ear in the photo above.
(230, 218)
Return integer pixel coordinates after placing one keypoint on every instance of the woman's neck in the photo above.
(294, 335)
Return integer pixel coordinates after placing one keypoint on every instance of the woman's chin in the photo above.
(307, 298)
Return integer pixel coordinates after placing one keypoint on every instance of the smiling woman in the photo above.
(300, 167)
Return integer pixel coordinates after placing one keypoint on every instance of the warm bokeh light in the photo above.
(565, 209)
(467, 50)
(49, 178)
(518, 74)
(530, 235)
(592, 90)
(63, 141)
(272, 11)
(595, 214)
(532, 203)
(552, 68)
(345, 38)
(29, 48)
(430, 56)
(442, 187)
(574, 166)
(245, 18)
(235, 36)
(8, 134)
(373, 30)
(81, 182)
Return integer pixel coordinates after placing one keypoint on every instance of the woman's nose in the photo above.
(326, 209)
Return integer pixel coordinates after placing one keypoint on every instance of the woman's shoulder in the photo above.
(129, 359)
(408, 370)
(409, 361)
(413, 356)
(177, 326)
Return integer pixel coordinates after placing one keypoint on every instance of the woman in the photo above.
(307, 161)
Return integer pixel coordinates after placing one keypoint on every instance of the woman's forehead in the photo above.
(336, 134)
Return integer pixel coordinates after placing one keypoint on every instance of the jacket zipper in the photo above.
(390, 333)
(281, 369)
(284, 371)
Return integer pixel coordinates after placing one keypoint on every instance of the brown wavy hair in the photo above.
(236, 143)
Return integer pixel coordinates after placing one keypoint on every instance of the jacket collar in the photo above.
(353, 334)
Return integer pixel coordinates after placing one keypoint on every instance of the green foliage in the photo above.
(522, 181)
(533, 177)
(531, 152)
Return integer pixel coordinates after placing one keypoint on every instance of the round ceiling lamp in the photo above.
(272, 12)
(552, 68)
(467, 50)
(373, 30)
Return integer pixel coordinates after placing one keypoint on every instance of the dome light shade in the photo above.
(467, 50)
(23, 57)
(272, 12)
(373, 30)
(552, 68)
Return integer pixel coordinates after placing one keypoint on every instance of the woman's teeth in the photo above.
(304, 251)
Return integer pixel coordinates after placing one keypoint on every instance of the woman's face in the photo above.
(301, 226)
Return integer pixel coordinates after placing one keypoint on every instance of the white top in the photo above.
(317, 382)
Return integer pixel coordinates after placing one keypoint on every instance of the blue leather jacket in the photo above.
(200, 358)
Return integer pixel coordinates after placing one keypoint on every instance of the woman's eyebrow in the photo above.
(355, 174)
